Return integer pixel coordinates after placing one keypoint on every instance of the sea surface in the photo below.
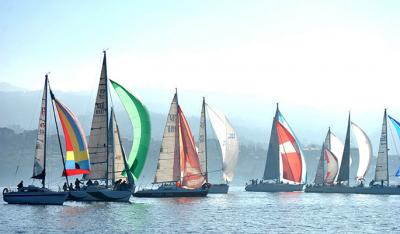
(236, 212)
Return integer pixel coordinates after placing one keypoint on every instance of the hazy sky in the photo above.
(327, 56)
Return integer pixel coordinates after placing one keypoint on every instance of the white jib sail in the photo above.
(336, 147)
(228, 141)
(365, 151)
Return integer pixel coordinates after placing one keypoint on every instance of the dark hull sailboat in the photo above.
(377, 190)
(179, 171)
(35, 196)
(381, 170)
(171, 191)
(108, 158)
(218, 189)
(285, 167)
(274, 187)
(228, 143)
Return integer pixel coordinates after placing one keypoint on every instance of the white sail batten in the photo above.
(365, 151)
(168, 163)
(228, 141)
(39, 161)
(98, 131)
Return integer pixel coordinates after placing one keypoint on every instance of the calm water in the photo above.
(236, 212)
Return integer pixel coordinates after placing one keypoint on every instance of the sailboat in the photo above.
(285, 169)
(228, 143)
(108, 159)
(328, 165)
(365, 154)
(42, 195)
(179, 172)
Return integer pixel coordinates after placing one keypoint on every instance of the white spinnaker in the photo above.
(365, 151)
(228, 141)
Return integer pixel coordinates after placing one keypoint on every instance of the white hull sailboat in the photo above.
(179, 171)
(228, 143)
(285, 169)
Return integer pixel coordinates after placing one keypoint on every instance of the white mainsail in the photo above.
(202, 149)
(98, 132)
(168, 162)
(365, 151)
(228, 141)
(381, 170)
(39, 161)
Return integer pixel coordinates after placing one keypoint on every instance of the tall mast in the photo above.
(387, 149)
(45, 135)
(107, 141)
(205, 136)
(177, 132)
(58, 135)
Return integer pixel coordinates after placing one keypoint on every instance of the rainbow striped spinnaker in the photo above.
(77, 154)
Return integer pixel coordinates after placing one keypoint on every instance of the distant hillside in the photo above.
(17, 152)
(20, 111)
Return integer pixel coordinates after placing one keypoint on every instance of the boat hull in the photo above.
(274, 187)
(35, 198)
(171, 192)
(109, 195)
(377, 190)
(98, 194)
(218, 189)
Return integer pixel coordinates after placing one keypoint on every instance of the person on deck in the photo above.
(65, 186)
(20, 185)
(89, 182)
(71, 187)
(77, 184)
(371, 183)
(117, 183)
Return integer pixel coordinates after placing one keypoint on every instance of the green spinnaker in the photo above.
(140, 119)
